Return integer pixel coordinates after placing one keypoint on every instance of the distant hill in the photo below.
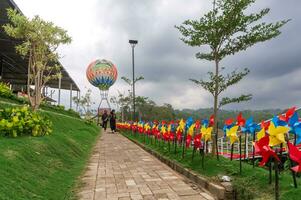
(205, 113)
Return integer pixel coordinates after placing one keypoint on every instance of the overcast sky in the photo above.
(102, 28)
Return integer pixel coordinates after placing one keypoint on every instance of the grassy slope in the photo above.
(46, 167)
(251, 184)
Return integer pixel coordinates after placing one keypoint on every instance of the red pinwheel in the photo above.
(171, 136)
(262, 147)
(179, 135)
(197, 141)
(229, 122)
(295, 155)
(289, 113)
(265, 125)
(197, 124)
(188, 140)
(240, 120)
(211, 120)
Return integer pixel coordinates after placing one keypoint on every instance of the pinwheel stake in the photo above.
(232, 147)
(276, 179)
(253, 153)
(270, 171)
(291, 162)
(202, 152)
(176, 145)
(193, 152)
(216, 134)
(184, 141)
(240, 154)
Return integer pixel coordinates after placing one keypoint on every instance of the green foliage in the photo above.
(226, 30)
(5, 90)
(39, 41)
(55, 162)
(84, 103)
(22, 121)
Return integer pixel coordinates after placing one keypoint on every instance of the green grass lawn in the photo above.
(46, 167)
(251, 184)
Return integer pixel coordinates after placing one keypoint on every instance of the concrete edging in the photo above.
(220, 192)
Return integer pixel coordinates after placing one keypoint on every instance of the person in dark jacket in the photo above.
(113, 121)
(105, 119)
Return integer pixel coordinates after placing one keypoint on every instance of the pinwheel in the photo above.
(228, 124)
(250, 127)
(189, 122)
(147, 128)
(179, 134)
(188, 140)
(295, 126)
(295, 155)
(261, 134)
(211, 120)
(289, 113)
(240, 120)
(232, 134)
(191, 130)
(197, 124)
(206, 133)
(262, 148)
(276, 134)
(197, 141)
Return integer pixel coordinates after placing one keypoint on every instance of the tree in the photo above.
(40, 40)
(84, 102)
(130, 83)
(227, 29)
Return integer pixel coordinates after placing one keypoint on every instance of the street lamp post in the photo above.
(133, 44)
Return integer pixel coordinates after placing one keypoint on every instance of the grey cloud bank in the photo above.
(102, 29)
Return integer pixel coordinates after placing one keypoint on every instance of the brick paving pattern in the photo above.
(121, 170)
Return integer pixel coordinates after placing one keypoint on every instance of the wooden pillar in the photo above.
(71, 96)
(59, 95)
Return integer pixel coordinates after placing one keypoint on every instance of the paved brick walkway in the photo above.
(121, 170)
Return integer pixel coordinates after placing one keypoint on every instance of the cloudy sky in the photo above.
(102, 28)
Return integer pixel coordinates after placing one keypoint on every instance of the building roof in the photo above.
(14, 67)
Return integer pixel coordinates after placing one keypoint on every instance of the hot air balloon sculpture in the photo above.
(102, 74)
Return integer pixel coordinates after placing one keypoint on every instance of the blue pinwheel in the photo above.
(189, 122)
(278, 122)
(295, 126)
(250, 127)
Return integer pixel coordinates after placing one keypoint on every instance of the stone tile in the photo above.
(120, 170)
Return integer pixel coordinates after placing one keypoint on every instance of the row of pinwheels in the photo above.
(269, 135)
(177, 132)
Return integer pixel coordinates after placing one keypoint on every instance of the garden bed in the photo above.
(46, 167)
(251, 184)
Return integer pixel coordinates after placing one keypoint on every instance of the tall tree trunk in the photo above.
(215, 108)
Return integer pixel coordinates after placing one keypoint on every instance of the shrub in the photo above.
(5, 90)
(22, 121)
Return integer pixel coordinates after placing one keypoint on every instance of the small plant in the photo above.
(5, 91)
(16, 122)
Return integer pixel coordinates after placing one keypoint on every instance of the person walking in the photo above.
(104, 118)
(113, 121)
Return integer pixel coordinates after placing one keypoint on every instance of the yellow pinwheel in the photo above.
(276, 134)
(232, 134)
(260, 134)
(191, 130)
(206, 133)
(181, 125)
